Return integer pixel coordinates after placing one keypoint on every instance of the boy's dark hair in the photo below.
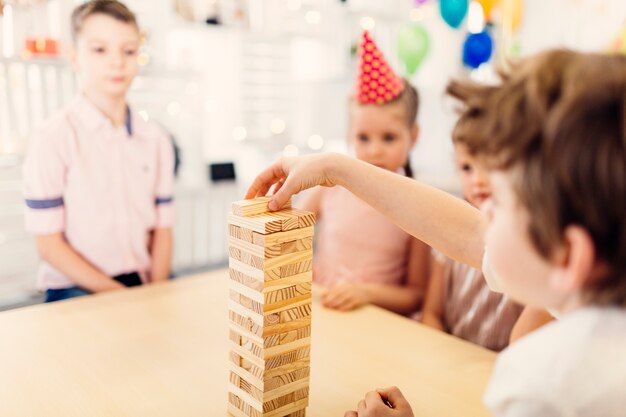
(557, 122)
(111, 8)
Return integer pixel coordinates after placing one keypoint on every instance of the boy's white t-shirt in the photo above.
(572, 367)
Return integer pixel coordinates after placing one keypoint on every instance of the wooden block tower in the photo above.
(271, 256)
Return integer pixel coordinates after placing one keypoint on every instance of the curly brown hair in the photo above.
(557, 122)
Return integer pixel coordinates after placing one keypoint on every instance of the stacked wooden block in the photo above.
(269, 309)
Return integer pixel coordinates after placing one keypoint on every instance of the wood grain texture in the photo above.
(254, 206)
(276, 237)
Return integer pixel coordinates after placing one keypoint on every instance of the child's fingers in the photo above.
(334, 298)
(361, 407)
(266, 179)
(278, 186)
(394, 396)
(372, 399)
(350, 413)
(283, 194)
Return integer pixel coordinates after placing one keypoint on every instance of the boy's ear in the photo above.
(575, 262)
(415, 131)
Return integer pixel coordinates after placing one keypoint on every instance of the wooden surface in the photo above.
(163, 351)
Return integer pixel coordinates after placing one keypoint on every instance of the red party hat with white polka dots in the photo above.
(376, 83)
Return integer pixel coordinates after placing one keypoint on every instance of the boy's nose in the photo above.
(376, 150)
(117, 60)
(480, 177)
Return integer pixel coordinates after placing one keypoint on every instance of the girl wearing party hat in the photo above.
(362, 257)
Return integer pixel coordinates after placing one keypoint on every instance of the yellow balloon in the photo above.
(512, 11)
(488, 6)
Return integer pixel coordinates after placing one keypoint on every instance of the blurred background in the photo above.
(238, 83)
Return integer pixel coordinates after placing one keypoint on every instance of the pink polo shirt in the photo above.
(104, 187)
(357, 243)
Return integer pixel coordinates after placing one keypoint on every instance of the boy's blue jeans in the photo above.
(64, 293)
(130, 280)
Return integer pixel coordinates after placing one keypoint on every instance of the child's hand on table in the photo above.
(345, 296)
(382, 403)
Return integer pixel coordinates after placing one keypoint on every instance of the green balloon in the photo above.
(413, 45)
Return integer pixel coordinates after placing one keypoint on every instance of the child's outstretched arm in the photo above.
(440, 220)
(55, 250)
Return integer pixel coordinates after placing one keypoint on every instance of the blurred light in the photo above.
(367, 23)
(417, 14)
(143, 59)
(240, 133)
(173, 108)
(291, 150)
(210, 105)
(312, 17)
(294, 5)
(475, 18)
(315, 142)
(192, 88)
(277, 126)
(144, 115)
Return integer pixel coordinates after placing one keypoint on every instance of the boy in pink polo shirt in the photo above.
(98, 178)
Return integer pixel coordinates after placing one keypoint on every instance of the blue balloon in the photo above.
(477, 49)
(453, 11)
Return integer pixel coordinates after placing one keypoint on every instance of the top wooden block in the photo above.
(254, 206)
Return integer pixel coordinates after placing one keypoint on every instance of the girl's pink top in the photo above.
(357, 243)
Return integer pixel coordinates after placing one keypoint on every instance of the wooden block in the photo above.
(269, 309)
(295, 245)
(241, 404)
(276, 284)
(288, 378)
(246, 387)
(287, 358)
(286, 337)
(254, 206)
(305, 218)
(272, 251)
(287, 260)
(262, 223)
(247, 302)
(296, 268)
(285, 400)
(265, 223)
(276, 237)
(287, 327)
(286, 293)
(245, 323)
(252, 283)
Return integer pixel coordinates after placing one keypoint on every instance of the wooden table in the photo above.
(162, 351)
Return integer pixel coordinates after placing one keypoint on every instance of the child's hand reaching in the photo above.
(386, 402)
(345, 296)
(292, 175)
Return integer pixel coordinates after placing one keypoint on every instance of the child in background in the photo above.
(362, 257)
(553, 136)
(98, 178)
(458, 300)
